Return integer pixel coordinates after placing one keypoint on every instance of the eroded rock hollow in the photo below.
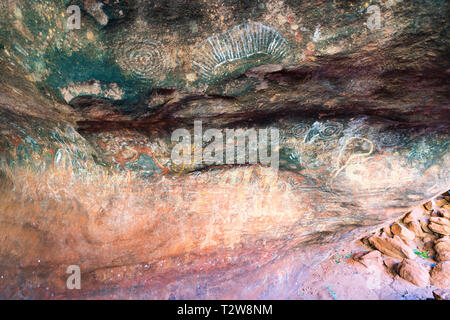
(117, 153)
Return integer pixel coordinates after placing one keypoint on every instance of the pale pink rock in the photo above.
(402, 231)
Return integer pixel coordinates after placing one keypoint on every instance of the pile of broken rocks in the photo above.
(416, 248)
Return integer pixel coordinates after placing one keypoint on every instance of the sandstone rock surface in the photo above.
(440, 225)
(413, 272)
(87, 123)
(393, 247)
(402, 231)
(440, 275)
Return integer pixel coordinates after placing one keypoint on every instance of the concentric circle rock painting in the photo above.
(237, 50)
(141, 57)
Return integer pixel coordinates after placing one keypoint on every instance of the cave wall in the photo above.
(85, 145)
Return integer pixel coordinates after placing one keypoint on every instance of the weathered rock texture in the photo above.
(87, 176)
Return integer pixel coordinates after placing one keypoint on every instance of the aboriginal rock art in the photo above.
(88, 172)
(141, 57)
(244, 46)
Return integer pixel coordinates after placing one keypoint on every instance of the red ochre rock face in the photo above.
(176, 238)
(87, 177)
(222, 232)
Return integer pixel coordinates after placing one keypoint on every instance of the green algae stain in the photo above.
(82, 66)
(79, 66)
(426, 152)
(290, 160)
(145, 165)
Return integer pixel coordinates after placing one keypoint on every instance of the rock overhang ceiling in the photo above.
(88, 114)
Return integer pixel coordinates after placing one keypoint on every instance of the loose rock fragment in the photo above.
(424, 226)
(441, 294)
(371, 258)
(440, 275)
(393, 247)
(440, 225)
(414, 227)
(445, 211)
(402, 231)
(390, 263)
(439, 202)
(414, 273)
(416, 214)
(387, 231)
(442, 248)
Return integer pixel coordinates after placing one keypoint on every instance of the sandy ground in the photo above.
(343, 278)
